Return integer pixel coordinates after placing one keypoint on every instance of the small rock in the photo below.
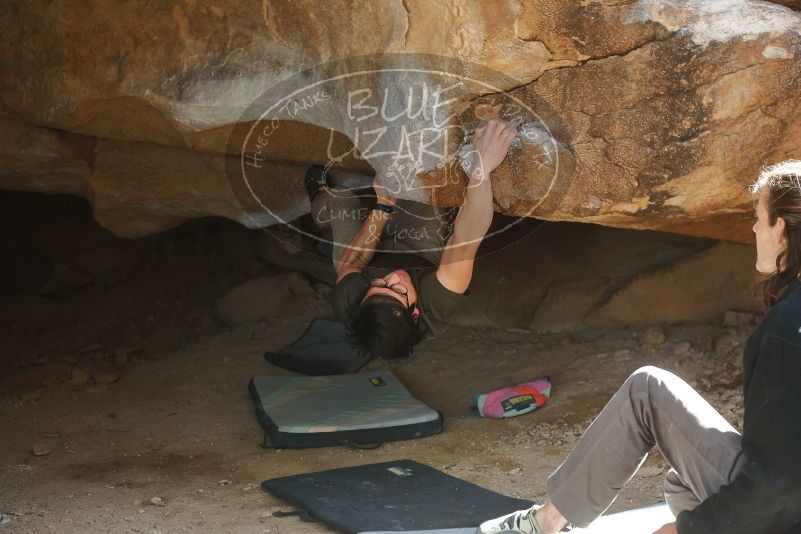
(653, 336)
(514, 330)
(263, 298)
(223, 482)
(5, 519)
(91, 348)
(80, 377)
(513, 472)
(704, 342)
(650, 471)
(682, 348)
(105, 376)
(298, 285)
(322, 290)
(40, 449)
(157, 501)
(120, 358)
(734, 318)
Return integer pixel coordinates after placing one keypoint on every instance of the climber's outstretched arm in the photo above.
(475, 215)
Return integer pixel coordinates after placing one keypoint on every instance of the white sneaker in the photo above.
(520, 522)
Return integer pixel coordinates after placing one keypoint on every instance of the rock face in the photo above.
(649, 114)
(264, 297)
(565, 277)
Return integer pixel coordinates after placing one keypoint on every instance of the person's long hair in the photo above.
(781, 186)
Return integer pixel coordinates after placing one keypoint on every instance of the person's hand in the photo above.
(491, 143)
(382, 195)
(669, 528)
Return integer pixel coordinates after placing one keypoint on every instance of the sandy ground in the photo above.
(181, 427)
(178, 423)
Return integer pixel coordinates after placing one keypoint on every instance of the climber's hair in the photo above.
(384, 327)
(781, 186)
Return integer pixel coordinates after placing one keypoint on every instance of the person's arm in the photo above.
(765, 497)
(475, 215)
(362, 247)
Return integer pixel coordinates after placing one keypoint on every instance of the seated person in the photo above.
(720, 482)
(403, 267)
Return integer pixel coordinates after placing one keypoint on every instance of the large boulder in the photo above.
(651, 114)
(264, 298)
(563, 277)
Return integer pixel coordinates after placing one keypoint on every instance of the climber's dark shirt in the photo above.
(436, 303)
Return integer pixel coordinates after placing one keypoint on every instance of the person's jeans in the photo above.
(653, 408)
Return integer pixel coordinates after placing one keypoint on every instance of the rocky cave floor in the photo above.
(131, 390)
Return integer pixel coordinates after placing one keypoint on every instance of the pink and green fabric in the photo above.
(515, 400)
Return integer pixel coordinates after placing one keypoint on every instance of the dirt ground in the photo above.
(176, 421)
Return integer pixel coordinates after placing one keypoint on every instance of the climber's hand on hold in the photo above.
(491, 144)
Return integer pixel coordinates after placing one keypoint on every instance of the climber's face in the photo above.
(398, 285)
(770, 239)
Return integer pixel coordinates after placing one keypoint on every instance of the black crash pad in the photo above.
(392, 496)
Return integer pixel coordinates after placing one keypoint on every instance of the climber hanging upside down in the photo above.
(403, 268)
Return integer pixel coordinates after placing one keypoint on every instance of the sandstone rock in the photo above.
(43, 160)
(264, 297)
(566, 304)
(697, 289)
(273, 249)
(80, 377)
(653, 336)
(40, 449)
(120, 359)
(105, 375)
(660, 115)
(682, 348)
(510, 285)
(735, 318)
(140, 189)
(157, 501)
